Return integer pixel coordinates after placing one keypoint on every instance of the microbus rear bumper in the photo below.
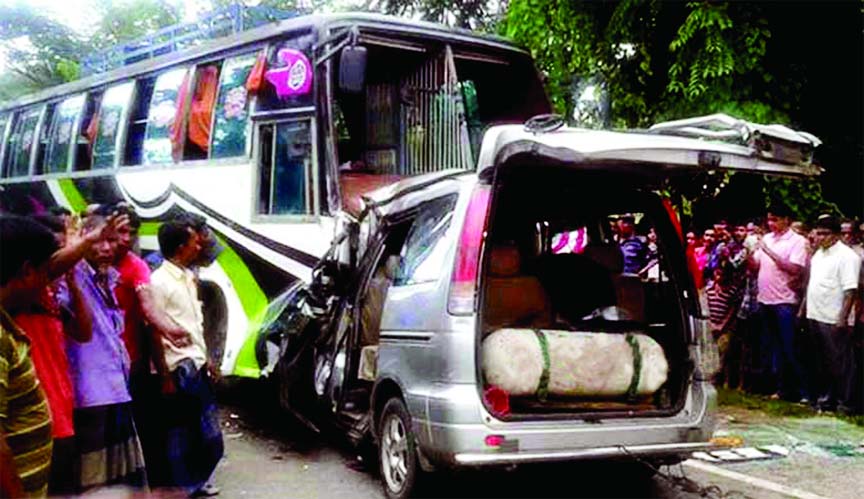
(641, 451)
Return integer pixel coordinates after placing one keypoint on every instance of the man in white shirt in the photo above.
(194, 439)
(831, 288)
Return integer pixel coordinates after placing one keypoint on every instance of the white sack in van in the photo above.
(580, 363)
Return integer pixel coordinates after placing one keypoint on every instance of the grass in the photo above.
(777, 408)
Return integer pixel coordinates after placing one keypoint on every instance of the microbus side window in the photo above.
(161, 118)
(108, 123)
(63, 134)
(422, 256)
(285, 176)
(20, 145)
(230, 123)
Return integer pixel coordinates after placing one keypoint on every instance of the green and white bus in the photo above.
(273, 134)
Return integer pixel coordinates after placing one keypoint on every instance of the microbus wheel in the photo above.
(397, 451)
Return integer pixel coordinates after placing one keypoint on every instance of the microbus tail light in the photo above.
(463, 284)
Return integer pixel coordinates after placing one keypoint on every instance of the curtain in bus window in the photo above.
(201, 111)
(21, 143)
(110, 117)
(162, 115)
(229, 129)
(63, 134)
(292, 168)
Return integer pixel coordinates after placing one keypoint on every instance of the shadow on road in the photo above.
(250, 410)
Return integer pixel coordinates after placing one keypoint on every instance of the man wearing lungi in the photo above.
(109, 451)
(194, 437)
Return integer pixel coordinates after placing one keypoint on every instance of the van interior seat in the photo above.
(629, 288)
(511, 298)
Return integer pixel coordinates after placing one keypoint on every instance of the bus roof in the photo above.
(314, 22)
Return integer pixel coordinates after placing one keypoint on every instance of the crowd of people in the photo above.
(90, 343)
(786, 306)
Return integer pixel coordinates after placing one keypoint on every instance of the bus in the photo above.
(273, 134)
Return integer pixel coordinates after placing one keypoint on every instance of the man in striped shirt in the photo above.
(25, 423)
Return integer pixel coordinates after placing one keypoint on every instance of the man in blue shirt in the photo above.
(633, 247)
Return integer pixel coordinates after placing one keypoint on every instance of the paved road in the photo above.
(269, 455)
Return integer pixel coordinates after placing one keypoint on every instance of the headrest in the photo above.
(609, 257)
(504, 261)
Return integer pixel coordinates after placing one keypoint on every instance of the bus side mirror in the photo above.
(352, 69)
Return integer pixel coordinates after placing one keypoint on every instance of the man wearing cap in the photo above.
(831, 287)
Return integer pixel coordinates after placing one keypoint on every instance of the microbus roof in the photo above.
(313, 22)
(656, 149)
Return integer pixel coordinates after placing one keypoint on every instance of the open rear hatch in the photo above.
(585, 301)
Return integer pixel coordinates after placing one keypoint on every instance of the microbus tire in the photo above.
(397, 451)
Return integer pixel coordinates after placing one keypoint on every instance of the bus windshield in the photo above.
(425, 107)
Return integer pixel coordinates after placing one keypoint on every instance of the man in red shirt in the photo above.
(142, 323)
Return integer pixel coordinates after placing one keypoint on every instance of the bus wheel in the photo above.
(397, 451)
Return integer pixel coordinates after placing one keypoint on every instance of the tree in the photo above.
(469, 14)
(668, 60)
(40, 52)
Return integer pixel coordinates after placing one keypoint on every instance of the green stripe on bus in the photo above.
(75, 199)
(254, 303)
(149, 228)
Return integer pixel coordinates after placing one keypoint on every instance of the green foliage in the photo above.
(803, 197)
(129, 19)
(39, 52)
(471, 14)
(662, 61)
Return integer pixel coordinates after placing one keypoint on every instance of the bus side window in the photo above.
(87, 131)
(17, 163)
(285, 180)
(106, 135)
(44, 137)
(230, 122)
(162, 134)
(4, 122)
(138, 121)
(201, 107)
(63, 135)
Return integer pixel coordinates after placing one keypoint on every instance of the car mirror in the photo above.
(352, 69)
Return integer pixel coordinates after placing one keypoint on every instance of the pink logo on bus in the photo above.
(294, 76)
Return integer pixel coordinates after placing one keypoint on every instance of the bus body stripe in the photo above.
(73, 196)
(254, 304)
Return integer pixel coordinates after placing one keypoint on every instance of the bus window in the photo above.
(4, 122)
(161, 119)
(230, 127)
(63, 134)
(267, 98)
(20, 143)
(138, 121)
(44, 136)
(111, 113)
(201, 111)
(285, 180)
(87, 131)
